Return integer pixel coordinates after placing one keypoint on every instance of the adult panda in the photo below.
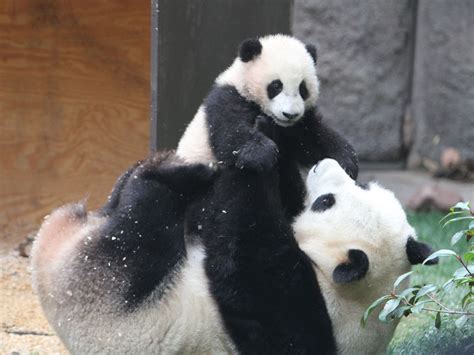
(273, 76)
(125, 280)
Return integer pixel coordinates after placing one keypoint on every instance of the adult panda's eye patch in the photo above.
(323, 202)
(274, 88)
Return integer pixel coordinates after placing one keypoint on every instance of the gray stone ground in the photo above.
(405, 183)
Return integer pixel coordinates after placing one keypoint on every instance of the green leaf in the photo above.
(419, 306)
(452, 214)
(462, 272)
(389, 307)
(442, 252)
(457, 219)
(369, 310)
(458, 236)
(468, 257)
(426, 289)
(406, 292)
(401, 278)
(448, 285)
(461, 206)
(461, 321)
(438, 320)
(471, 225)
(467, 299)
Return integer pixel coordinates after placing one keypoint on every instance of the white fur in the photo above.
(370, 220)
(194, 146)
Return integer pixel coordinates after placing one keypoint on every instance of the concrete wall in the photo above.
(443, 91)
(365, 60)
(397, 76)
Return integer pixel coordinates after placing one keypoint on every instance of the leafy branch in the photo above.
(427, 298)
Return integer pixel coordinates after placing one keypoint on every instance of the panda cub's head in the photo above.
(355, 233)
(278, 72)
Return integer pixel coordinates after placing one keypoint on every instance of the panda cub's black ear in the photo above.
(352, 270)
(311, 48)
(250, 49)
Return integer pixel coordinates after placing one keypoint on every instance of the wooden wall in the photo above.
(74, 102)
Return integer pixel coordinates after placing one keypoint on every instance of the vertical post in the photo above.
(192, 42)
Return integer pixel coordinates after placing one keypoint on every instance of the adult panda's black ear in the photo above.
(183, 178)
(311, 48)
(417, 252)
(250, 49)
(354, 269)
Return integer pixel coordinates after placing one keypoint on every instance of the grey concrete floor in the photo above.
(405, 183)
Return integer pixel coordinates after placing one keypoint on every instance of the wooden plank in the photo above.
(196, 40)
(74, 101)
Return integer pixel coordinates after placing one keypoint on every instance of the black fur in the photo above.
(250, 49)
(417, 252)
(355, 269)
(142, 240)
(264, 285)
(274, 88)
(311, 48)
(323, 203)
(236, 142)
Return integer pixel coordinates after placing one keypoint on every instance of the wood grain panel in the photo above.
(74, 102)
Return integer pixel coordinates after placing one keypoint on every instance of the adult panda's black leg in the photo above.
(142, 241)
(264, 285)
(114, 198)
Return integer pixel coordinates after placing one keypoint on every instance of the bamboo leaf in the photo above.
(442, 252)
(425, 289)
(461, 321)
(438, 320)
(401, 278)
(458, 236)
(457, 219)
(369, 310)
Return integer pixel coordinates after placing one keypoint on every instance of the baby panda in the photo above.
(125, 280)
(121, 280)
(272, 77)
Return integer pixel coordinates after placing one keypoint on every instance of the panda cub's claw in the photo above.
(260, 156)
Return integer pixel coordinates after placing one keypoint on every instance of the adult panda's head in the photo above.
(354, 233)
(278, 72)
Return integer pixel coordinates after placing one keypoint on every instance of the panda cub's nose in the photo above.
(290, 116)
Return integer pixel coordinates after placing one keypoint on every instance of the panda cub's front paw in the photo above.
(258, 156)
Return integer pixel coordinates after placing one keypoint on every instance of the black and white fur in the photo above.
(273, 76)
(124, 279)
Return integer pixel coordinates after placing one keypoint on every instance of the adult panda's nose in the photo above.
(290, 116)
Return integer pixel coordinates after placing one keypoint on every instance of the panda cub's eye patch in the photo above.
(274, 88)
(304, 90)
(323, 203)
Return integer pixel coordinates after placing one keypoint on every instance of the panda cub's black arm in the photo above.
(311, 140)
(233, 138)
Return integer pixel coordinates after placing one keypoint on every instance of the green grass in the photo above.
(417, 334)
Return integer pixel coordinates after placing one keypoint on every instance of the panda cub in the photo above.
(273, 77)
(125, 280)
